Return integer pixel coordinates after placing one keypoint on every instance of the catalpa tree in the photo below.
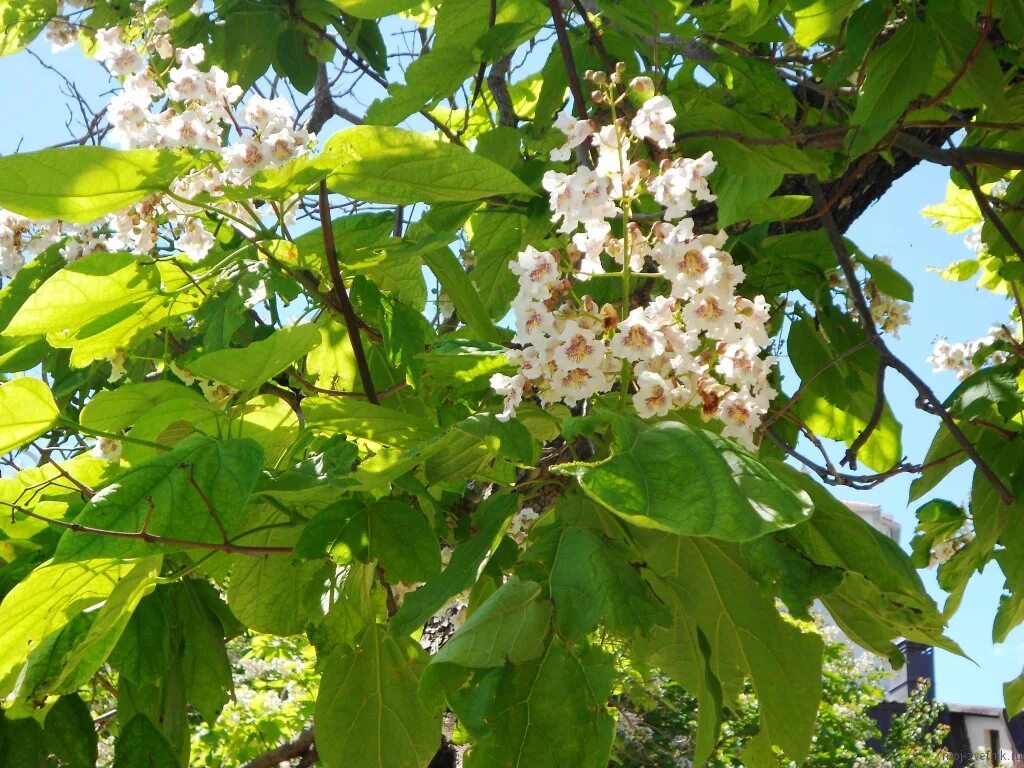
(475, 390)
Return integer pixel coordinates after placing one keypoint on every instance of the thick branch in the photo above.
(955, 157)
(578, 102)
(298, 747)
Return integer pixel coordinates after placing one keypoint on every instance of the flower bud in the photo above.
(643, 85)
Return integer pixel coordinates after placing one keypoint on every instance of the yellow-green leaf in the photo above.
(27, 410)
(391, 165)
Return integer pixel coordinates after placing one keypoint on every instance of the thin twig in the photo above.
(997, 221)
(341, 295)
(153, 538)
(926, 399)
(877, 410)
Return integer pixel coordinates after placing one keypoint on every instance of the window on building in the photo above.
(993, 748)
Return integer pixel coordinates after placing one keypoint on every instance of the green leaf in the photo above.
(497, 238)
(683, 480)
(888, 279)
(112, 409)
(396, 535)
(165, 705)
(81, 184)
(21, 21)
(467, 561)
(262, 590)
(89, 650)
(188, 493)
(141, 743)
(27, 410)
(816, 19)
(374, 9)
(367, 712)
(357, 418)
(21, 742)
(85, 290)
(1013, 694)
(457, 284)
(778, 208)
(937, 521)
(391, 165)
(70, 734)
(403, 542)
(862, 29)
(881, 596)
(547, 712)
(898, 71)
(509, 627)
(246, 369)
(683, 652)
(293, 60)
(244, 43)
(463, 38)
(981, 75)
(206, 669)
(957, 213)
(709, 581)
(47, 599)
(1009, 616)
(143, 652)
(592, 582)
(340, 530)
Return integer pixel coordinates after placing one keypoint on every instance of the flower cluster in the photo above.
(961, 357)
(944, 550)
(889, 314)
(169, 102)
(695, 344)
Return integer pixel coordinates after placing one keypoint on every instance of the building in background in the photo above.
(978, 736)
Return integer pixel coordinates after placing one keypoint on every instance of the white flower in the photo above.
(579, 348)
(638, 338)
(577, 198)
(680, 182)
(120, 58)
(195, 241)
(653, 121)
(711, 311)
(591, 244)
(575, 384)
(653, 395)
(108, 449)
(519, 525)
(511, 389)
(537, 271)
(576, 131)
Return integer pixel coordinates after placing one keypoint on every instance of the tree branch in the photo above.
(228, 547)
(955, 157)
(927, 399)
(578, 101)
(997, 221)
(298, 747)
(341, 295)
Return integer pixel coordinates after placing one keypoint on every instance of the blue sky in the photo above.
(894, 227)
